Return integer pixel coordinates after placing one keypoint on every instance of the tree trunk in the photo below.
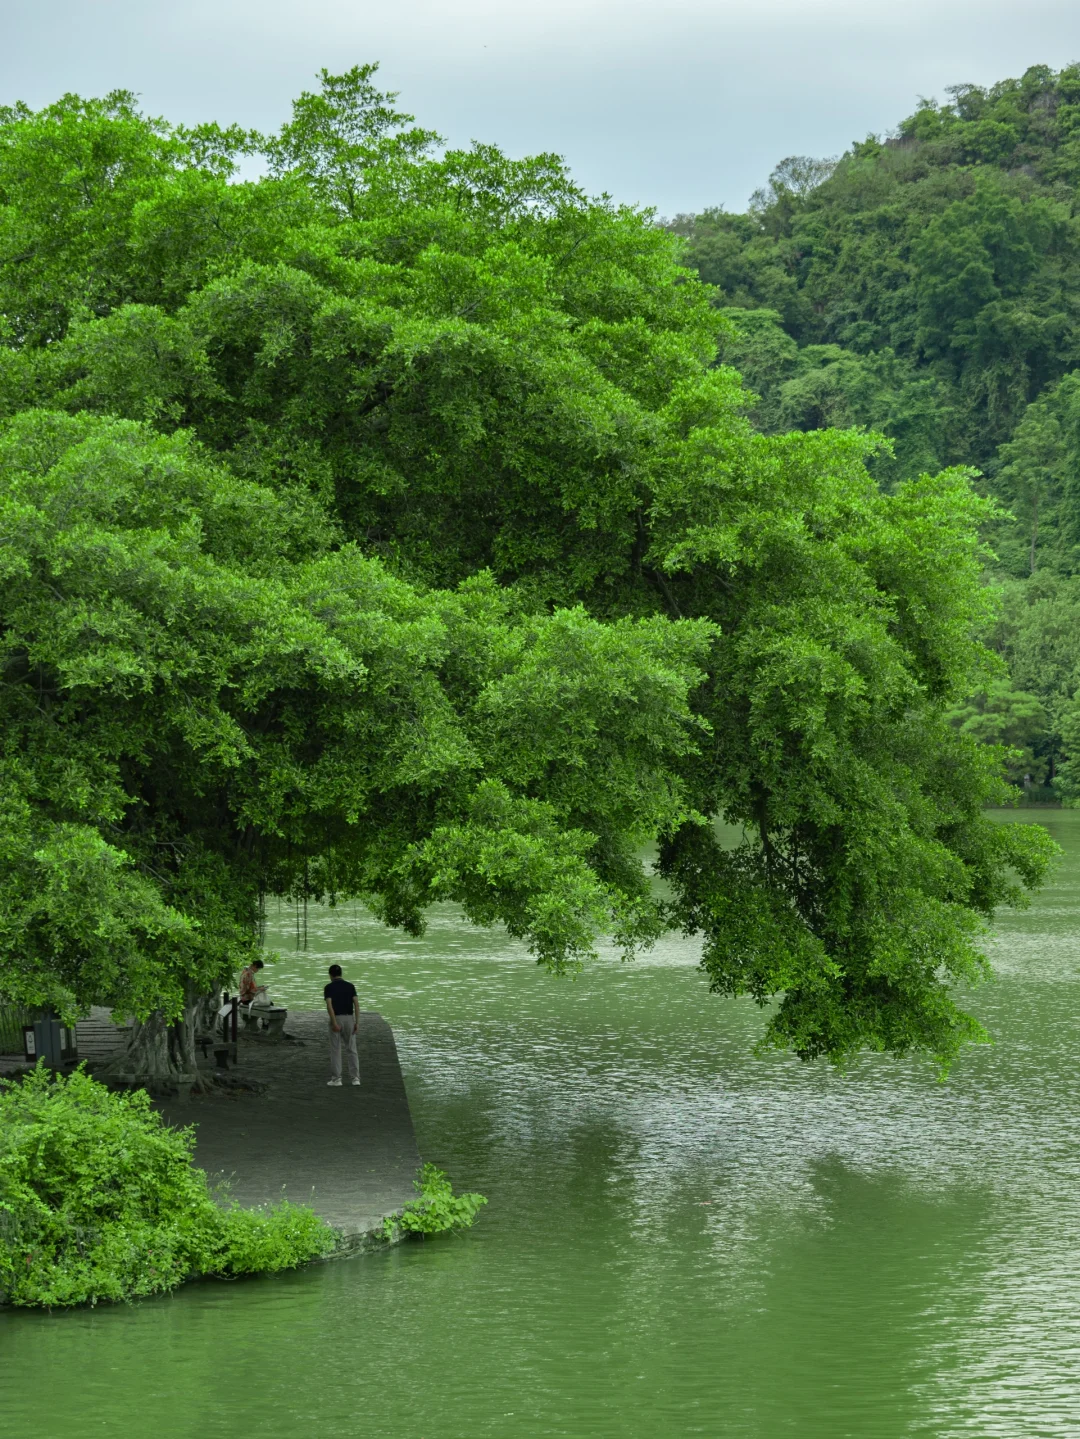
(160, 1056)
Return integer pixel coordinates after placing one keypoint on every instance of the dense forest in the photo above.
(927, 286)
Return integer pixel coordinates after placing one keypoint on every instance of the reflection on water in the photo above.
(682, 1238)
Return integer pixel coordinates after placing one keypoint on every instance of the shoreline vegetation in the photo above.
(101, 1202)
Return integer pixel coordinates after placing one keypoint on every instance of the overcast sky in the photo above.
(678, 105)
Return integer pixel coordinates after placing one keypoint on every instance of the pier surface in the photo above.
(349, 1153)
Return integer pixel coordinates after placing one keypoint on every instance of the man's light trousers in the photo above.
(347, 1032)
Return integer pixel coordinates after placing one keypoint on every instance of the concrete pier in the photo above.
(349, 1153)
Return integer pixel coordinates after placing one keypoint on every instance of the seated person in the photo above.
(249, 985)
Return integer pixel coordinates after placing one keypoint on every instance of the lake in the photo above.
(681, 1238)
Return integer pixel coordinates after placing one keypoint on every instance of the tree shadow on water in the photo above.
(862, 1308)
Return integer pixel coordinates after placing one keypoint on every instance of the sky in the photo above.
(677, 105)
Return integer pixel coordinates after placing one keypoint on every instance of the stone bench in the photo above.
(263, 1021)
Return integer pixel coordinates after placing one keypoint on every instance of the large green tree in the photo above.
(205, 701)
(501, 399)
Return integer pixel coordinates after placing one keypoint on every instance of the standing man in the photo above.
(343, 1007)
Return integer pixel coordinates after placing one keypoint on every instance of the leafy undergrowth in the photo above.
(100, 1200)
(436, 1210)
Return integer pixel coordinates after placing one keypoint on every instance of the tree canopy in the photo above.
(387, 526)
(205, 702)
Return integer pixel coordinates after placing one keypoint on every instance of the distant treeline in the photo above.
(928, 286)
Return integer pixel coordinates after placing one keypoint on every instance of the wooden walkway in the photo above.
(98, 1037)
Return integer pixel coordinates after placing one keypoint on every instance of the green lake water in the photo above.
(682, 1239)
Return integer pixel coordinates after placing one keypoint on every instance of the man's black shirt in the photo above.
(341, 994)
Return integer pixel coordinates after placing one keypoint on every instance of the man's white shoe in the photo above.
(334, 1083)
(356, 1081)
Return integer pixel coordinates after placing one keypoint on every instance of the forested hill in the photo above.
(928, 286)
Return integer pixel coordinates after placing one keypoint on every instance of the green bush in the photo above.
(438, 1208)
(100, 1200)
(270, 1238)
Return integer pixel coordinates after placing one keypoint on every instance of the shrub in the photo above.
(271, 1238)
(438, 1208)
(100, 1200)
